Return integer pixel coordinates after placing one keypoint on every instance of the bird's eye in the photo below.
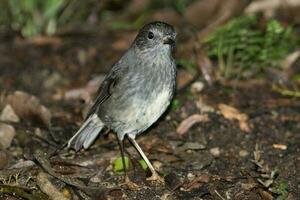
(150, 35)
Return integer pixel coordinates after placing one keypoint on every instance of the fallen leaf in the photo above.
(21, 164)
(196, 183)
(290, 59)
(186, 124)
(183, 78)
(191, 146)
(232, 113)
(7, 134)
(48, 188)
(43, 41)
(28, 107)
(268, 7)
(86, 92)
(280, 146)
(265, 195)
(203, 106)
(205, 64)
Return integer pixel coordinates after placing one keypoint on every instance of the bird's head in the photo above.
(156, 36)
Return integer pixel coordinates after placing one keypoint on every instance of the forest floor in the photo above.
(232, 140)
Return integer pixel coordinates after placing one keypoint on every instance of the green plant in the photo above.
(242, 47)
(178, 5)
(118, 164)
(189, 65)
(281, 190)
(35, 17)
(175, 104)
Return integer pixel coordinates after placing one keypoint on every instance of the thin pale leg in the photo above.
(128, 182)
(154, 176)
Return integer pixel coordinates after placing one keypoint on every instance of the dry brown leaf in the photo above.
(196, 183)
(290, 60)
(280, 146)
(203, 106)
(268, 7)
(183, 78)
(232, 113)
(86, 92)
(186, 124)
(204, 63)
(265, 195)
(29, 107)
(48, 188)
(41, 41)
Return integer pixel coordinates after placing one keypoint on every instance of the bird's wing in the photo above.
(107, 86)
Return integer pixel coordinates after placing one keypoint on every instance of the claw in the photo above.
(131, 185)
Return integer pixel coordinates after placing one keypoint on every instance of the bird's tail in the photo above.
(87, 133)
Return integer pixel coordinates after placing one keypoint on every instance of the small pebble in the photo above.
(190, 176)
(157, 165)
(7, 134)
(8, 114)
(243, 153)
(215, 151)
(197, 87)
(193, 146)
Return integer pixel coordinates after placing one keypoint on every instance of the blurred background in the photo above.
(235, 117)
(222, 40)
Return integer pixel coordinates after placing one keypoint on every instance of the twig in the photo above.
(219, 195)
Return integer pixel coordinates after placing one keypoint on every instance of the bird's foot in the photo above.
(155, 177)
(131, 185)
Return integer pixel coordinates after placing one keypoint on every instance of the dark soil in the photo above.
(225, 168)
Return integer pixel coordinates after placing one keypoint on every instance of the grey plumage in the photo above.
(88, 132)
(137, 90)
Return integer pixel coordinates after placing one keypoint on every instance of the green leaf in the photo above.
(52, 7)
(118, 164)
(143, 164)
(175, 104)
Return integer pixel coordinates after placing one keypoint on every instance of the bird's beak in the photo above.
(168, 40)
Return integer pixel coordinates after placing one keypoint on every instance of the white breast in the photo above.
(143, 114)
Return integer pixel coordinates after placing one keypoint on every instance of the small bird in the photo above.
(135, 93)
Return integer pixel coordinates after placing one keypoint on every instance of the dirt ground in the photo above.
(218, 157)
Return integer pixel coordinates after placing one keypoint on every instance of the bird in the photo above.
(135, 93)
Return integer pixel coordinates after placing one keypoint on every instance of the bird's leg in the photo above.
(127, 180)
(154, 176)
